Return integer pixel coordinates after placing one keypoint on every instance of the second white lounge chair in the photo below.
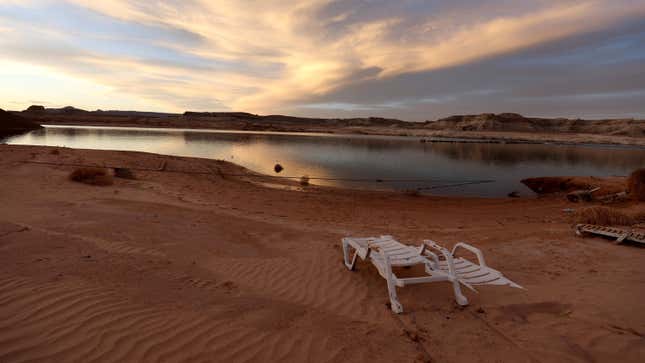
(620, 234)
(385, 253)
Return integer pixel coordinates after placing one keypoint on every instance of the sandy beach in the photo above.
(200, 260)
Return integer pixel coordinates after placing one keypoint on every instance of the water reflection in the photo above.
(562, 154)
(362, 157)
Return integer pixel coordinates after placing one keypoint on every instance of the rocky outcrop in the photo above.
(294, 120)
(11, 124)
(512, 122)
(243, 115)
(35, 108)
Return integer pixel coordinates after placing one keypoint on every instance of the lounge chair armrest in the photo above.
(473, 249)
(444, 252)
(434, 258)
(432, 244)
(423, 251)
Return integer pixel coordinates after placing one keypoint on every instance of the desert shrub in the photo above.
(91, 176)
(277, 168)
(123, 173)
(636, 184)
(639, 217)
(412, 192)
(304, 180)
(603, 216)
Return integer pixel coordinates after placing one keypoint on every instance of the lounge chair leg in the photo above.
(395, 305)
(349, 264)
(459, 297)
(354, 260)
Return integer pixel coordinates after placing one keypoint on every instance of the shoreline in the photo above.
(280, 182)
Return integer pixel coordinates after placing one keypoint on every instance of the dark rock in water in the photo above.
(514, 194)
(278, 168)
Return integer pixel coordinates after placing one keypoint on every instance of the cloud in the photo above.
(592, 75)
(268, 56)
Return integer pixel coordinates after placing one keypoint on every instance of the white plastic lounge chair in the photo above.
(385, 253)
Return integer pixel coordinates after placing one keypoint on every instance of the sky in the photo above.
(408, 59)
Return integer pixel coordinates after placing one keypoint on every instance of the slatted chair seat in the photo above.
(620, 234)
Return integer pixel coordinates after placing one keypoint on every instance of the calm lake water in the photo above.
(380, 162)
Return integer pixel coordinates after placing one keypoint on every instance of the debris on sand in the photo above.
(278, 168)
(581, 195)
(567, 184)
(614, 198)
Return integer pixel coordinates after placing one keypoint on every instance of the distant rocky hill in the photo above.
(503, 125)
(11, 124)
(234, 120)
(505, 122)
(282, 119)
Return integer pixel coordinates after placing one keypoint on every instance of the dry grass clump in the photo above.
(603, 216)
(412, 192)
(636, 184)
(304, 180)
(92, 176)
(639, 217)
(123, 173)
